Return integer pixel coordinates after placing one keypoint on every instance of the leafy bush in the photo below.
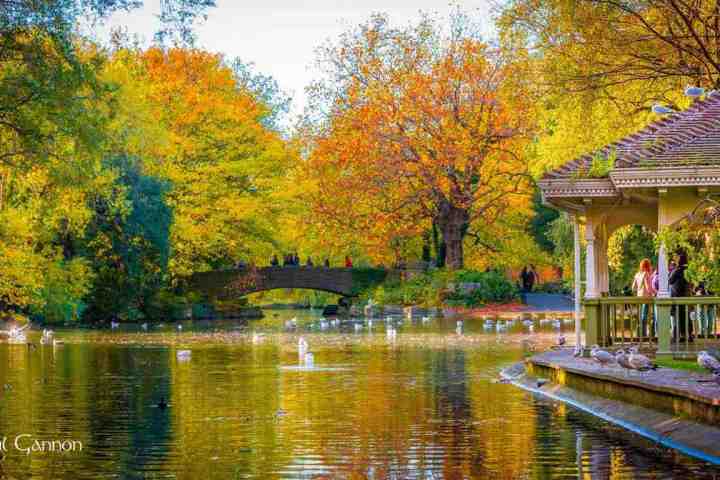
(442, 287)
(489, 287)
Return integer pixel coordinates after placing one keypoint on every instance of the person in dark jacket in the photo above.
(679, 287)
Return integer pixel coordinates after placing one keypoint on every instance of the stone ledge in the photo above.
(685, 435)
(693, 386)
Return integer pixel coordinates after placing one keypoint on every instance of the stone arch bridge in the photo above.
(348, 282)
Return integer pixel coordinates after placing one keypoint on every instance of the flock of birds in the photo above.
(631, 359)
(358, 325)
(18, 335)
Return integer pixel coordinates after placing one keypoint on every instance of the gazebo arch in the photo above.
(654, 178)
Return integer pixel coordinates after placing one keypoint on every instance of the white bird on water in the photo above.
(708, 362)
(303, 348)
(47, 337)
(601, 356)
(309, 359)
(114, 325)
(183, 355)
(425, 319)
(179, 327)
(144, 326)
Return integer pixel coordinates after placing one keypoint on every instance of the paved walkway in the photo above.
(549, 302)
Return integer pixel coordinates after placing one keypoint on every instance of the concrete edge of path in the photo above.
(692, 438)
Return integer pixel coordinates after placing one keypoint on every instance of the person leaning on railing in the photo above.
(679, 288)
(642, 286)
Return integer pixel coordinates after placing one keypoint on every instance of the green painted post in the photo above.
(664, 332)
(592, 324)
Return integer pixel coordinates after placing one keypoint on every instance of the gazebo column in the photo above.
(663, 310)
(592, 294)
(602, 271)
(577, 277)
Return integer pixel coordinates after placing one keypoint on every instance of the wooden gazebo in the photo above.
(654, 178)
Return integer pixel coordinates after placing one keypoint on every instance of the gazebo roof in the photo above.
(679, 150)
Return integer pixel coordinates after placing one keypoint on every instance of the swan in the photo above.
(302, 346)
(309, 359)
(47, 337)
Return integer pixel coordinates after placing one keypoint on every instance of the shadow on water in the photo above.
(423, 405)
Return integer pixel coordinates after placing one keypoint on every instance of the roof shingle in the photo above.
(687, 138)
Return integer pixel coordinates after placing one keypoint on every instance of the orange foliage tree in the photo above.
(413, 127)
(208, 137)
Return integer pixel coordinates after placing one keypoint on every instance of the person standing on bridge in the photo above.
(309, 262)
(274, 262)
(327, 263)
(348, 262)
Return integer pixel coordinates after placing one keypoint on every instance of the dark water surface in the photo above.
(426, 405)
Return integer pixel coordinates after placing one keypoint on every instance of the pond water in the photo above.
(425, 404)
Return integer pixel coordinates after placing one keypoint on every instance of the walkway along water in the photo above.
(676, 408)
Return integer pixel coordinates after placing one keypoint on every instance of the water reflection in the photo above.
(424, 405)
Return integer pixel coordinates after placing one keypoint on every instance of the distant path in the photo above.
(549, 302)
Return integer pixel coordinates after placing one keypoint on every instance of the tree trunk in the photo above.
(438, 246)
(452, 222)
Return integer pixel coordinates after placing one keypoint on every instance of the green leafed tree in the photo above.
(128, 243)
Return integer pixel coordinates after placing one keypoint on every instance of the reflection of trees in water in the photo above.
(603, 451)
(123, 403)
(449, 380)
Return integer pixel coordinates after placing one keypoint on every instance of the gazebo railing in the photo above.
(676, 326)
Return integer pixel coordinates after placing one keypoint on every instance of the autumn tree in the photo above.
(417, 126)
(652, 47)
(209, 134)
